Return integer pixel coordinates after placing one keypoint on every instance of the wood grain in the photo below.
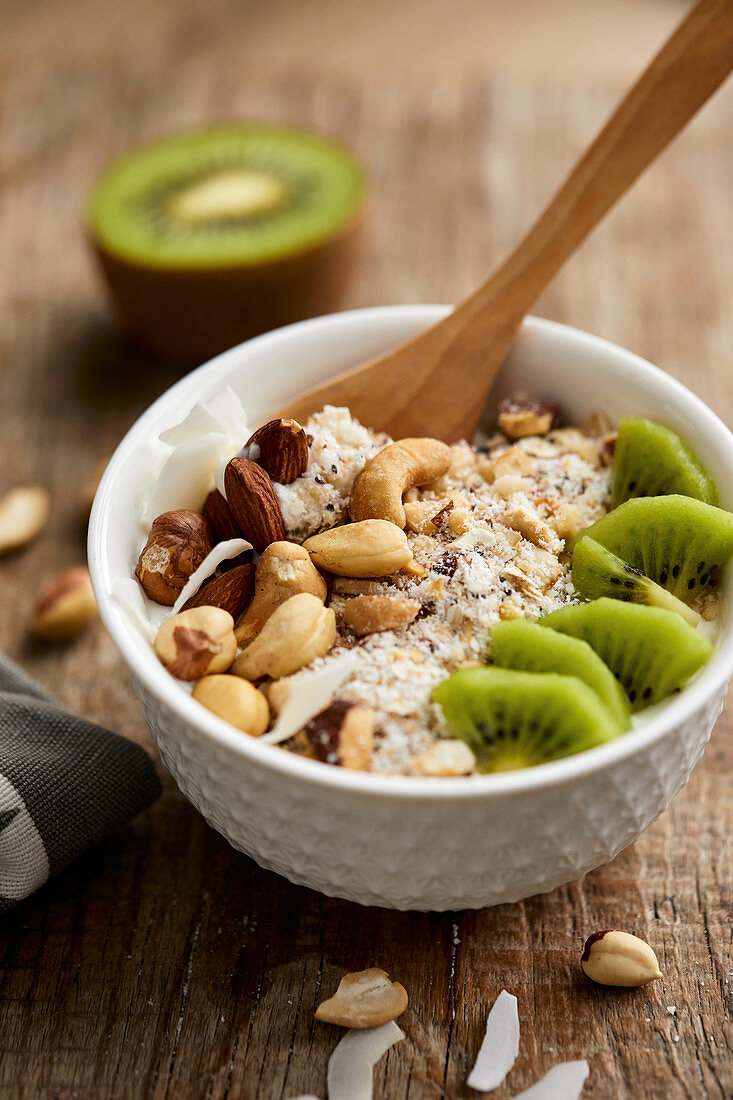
(164, 964)
(440, 379)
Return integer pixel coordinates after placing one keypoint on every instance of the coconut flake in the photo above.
(351, 1066)
(500, 1047)
(126, 592)
(310, 693)
(188, 475)
(563, 1082)
(230, 548)
(229, 411)
(222, 413)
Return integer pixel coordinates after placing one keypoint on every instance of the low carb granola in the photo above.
(482, 541)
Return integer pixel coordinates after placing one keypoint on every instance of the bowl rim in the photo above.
(148, 670)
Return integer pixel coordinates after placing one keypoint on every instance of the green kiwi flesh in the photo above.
(597, 572)
(651, 460)
(209, 237)
(227, 195)
(521, 644)
(680, 543)
(651, 652)
(517, 719)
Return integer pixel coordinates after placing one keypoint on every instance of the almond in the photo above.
(230, 591)
(218, 515)
(177, 544)
(252, 502)
(281, 448)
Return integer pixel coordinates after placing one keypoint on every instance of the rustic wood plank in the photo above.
(164, 963)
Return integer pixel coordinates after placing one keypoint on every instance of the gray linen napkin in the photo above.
(65, 784)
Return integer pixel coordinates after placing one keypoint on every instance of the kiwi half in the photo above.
(652, 652)
(680, 543)
(597, 572)
(651, 460)
(518, 719)
(209, 237)
(521, 644)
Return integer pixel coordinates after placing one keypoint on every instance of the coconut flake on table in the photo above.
(500, 1045)
(230, 548)
(310, 693)
(351, 1066)
(563, 1082)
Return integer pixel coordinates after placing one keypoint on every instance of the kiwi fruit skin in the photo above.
(187, 313)
(680, 543)
(651, 652)
(524, 645)
(652, 460)
(515, 719)
(597, 572)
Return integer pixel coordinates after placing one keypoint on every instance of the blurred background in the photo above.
(466, 114)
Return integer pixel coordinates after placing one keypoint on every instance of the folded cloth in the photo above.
(65, 784)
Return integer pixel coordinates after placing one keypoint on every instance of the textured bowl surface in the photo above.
(404, 842)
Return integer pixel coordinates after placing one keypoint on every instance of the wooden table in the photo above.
(165, 964)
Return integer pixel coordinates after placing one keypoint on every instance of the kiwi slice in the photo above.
(209, 237)
(517, 719)
(680, 543)
(521, 644)
(651, 651)
(651, 460)
(597, 572)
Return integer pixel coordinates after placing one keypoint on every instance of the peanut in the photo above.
(297, 632)
(284, 570)
(369, 548)
(620, 959)
(372, 614)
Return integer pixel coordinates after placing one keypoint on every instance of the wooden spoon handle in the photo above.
(686, 71)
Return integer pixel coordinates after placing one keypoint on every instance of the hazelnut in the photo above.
(236, 701)
(619, 959)
(197, 642)
(177, 544)
(65, 606)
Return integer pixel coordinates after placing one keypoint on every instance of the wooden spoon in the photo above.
(437, 384)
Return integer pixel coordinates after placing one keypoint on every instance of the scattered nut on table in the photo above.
(197, 642)
(297, 632)
(177, 544)
(377, 490)
(284, 570)
(369, 548)
(23, 515)
(619, 959)
(364, 999)
(236, 701)
(65, 606)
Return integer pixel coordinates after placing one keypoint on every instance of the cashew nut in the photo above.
(371, 548)
(377, 491)
(297, 632)
(284, 570)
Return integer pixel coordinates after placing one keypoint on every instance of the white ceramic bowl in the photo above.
(402, 842)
